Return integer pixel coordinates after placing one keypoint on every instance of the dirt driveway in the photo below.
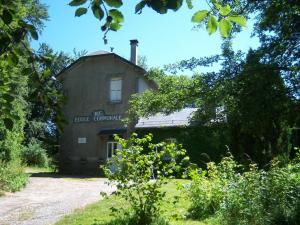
(46, 199)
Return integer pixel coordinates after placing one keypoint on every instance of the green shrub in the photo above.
(34, 154)
(242, 204)
(139, 170)
(252, 197)
(208, 187)
(12, 177)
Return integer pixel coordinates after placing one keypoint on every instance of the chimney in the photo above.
(133, 53)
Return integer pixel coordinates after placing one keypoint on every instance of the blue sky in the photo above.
(163, 39)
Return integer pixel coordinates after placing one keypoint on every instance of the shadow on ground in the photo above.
(59, 175)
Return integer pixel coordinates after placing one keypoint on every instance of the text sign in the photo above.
(97, 116)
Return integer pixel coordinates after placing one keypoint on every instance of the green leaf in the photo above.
(32, 31)
(199, 16)
(8, 97)
(80, 11)
(97, 11)
(158, 5)
(114, 3)
(116, 15)
(225, 27)
(189, 4)
(240, 20)
(225, 10)
(139, 7)
(8, 123)
(13, 58)
(6, 16)
(174, 4)
(115, 26)
(77, 2)
(212, 25)
(216, 4)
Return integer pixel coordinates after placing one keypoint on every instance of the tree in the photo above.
(18, 24)
(278, 29)
(223, 14)
(253, 94)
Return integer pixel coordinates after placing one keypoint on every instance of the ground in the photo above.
(46, 199)
(99, 213)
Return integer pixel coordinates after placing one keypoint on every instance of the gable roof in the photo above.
(180, 118)
(100, 53)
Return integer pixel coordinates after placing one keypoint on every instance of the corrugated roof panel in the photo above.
(176, 119)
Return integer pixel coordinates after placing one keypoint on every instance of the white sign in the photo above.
(82, 140)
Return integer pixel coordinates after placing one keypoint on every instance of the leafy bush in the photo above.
(140, 170)
(209, 187)
(12, 177)
(252, 197)
(34, 154)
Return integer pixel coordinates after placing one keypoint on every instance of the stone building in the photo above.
(97, 87)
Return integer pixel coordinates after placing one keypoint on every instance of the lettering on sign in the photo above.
(97, 116)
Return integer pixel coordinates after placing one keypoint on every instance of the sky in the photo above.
(163, 39)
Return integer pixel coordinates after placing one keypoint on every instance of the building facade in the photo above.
(97, 87)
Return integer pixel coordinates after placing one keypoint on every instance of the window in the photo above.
(112, 148)
(142, 85)
(116, 89)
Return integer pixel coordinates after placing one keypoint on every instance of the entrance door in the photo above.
(112, 148)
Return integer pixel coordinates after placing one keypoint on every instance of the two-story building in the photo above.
(97, 87)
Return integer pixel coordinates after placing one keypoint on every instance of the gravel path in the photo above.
(45, 200)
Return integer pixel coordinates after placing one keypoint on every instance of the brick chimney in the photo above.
(133, 53)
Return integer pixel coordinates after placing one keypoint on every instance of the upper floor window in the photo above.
(142, 85)
(116, 89)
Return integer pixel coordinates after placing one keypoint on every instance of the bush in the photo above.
(252, 197)
(139, 171)
(208, 187)
(12, 177)
(34, 154)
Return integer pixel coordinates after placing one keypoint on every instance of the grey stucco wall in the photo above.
(87, 85)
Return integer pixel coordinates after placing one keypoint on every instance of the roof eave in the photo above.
(94, 56)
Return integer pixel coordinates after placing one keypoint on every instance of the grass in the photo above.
(33, 169)
(100, 212)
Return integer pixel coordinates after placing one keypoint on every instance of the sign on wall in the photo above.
(82, 140)
(97, 116)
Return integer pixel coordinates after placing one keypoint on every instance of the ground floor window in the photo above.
(112, 147)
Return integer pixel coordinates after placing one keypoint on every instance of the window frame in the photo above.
(119, 91)
(113, 149)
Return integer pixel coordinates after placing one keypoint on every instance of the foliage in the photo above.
(209, 187)
(139, 170)
(18, 24)
(258, 110)
(34, 154)
(11, 139)
(202, 143)
(142, 62)
(277, 27)
(254, 98)
(251, 197)
(221, 14)
(12, 177)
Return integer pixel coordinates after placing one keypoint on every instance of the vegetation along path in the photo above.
(46, 199)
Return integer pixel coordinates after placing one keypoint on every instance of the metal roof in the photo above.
(176, 119)
(100, 52)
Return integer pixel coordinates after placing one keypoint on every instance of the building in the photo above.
(97, 87)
